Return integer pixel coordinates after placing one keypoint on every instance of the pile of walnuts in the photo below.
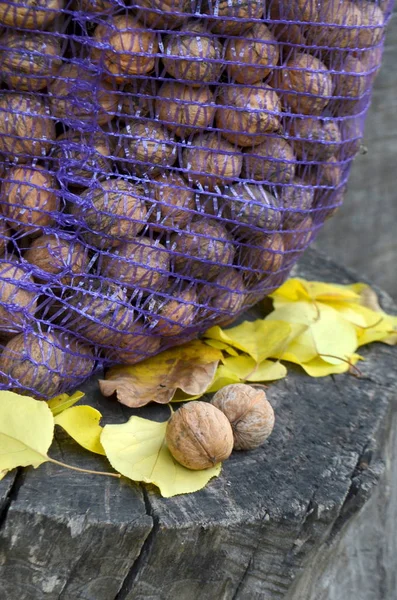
(164, 164)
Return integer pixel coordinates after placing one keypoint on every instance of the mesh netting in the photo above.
(163, 165)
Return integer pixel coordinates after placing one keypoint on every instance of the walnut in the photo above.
(193, 56)
(139, 263)
(57, 258)
(249, 412)
(165, 14)
(348, 25)
(202, 250)
(352, 135)
(96, 6)
(353, 79)
(171, 314)
(18, 298)
(99, 312)
(224, 296)
(77, 95)
(30, 14)
(296, 241)
(199, 435)
(146, 147)
(138, 97)
(133, 345)
(29, 198)
(271, 161)
(112, 212)
(33, 363)
(247, 114)
(297, 200)
(295, 10)
(29, 61)
(261, 256)
(251, 206)
(83, 157)
(26, 126)
(184, 109)
(174, 201)
(4, 236)
(252, 57)
(211, 161)
(328, 202)
(79, 360)
(124, 47)
(294, 33)
(232, 15)
(314, 139)
(310, 84)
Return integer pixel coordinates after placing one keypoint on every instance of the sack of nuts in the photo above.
(163, 164)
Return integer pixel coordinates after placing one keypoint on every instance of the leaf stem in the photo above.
(89, 471)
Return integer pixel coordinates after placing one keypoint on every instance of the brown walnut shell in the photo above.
(125, 47)
(30, 14)
(57, 259)
(202, 250)
(193, 56)
(246, 114)
(272, 161)
(29, 199)
(18, 298)
(313, 139)
(171, 316)
(263, 256)
(249, 412)
(146, 147)
(307, 84)
(33, 363)
(174, 201)
(139, 263)
(199, 436)
(184, 109)
(165, 14)
(77, 95)
(26, 127)
(297, 200)
(211, 161)
(113, 212)
(232, 16)
(29, 61)
(251, 58)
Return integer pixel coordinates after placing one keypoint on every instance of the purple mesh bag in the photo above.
(163, 164)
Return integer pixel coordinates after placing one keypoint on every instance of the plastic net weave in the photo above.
(163, 164)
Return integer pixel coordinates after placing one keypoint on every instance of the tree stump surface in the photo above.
(311, 515)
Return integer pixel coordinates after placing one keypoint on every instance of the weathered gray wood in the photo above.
(362, 234)
(270, 528)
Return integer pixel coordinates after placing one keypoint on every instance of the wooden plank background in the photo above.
(363, 235)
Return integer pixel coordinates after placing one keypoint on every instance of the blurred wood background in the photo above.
(363, 234)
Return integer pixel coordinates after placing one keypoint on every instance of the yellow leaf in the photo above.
(137, 450)
(319, 368)
(221, 346)
(26, 431)
(247, 369)
(82, 424)
(260, 339)
(296, 290)
(327, 332)
(190, 367)
(63, 401)
(3, 473)
(223, 377)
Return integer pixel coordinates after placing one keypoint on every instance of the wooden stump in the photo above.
(309, 516)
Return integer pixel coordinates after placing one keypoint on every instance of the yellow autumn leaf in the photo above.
(297, 290)
(26, 431)
(221, 346)
(223, 377)
(137, 450)
(63, 402)
(260, 339)
(247, 369)
(3, 473)
(318, 367)
(190, 368)
(327, 334)
(82, 424)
